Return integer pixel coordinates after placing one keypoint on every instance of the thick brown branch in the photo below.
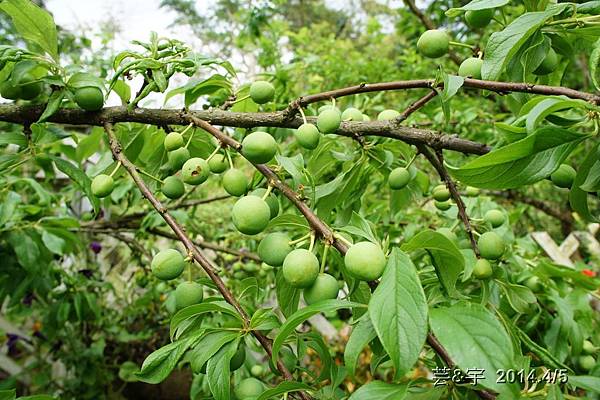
(192, 250)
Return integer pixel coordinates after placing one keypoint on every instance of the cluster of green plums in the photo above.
(586, 360)
(435, 43)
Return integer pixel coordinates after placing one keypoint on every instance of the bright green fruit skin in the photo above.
(274, 248)
(441, 193)
(491, 246)
(235, 182)
(300, 268)
(586, 363)
(195, 171)
(472, 191)
(248, 389)
(588, 347)
(352, 114)
(387, 115)
(399, 178)
(89, 98)
(482, 269)
(366, 118)
(449, 234)
(167, 264)
(549, 63)
(178, 157)
(479, 18)
(325, 287)
(262, 92)
(365, 261)
(251, 215)
(9, 91)
(173, 141)
(564, 176)
(259, 147)
(442, 205)
(102, 185)
(172, 187)
(433, 43)
(218, 163)
(533, 283)
(187, 294)
(329, 120)
(238, 359)
(494, 218)
(271, 200)
(257, 371)
(308, 136)
(471, 68)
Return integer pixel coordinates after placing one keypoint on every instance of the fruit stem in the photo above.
(333, 102)
(268, 192)
(229, 159)
(325, 250)
(303, 116)
(240, 99)
(459, 44)
(187, 128)
(303, 238)
(312, 241)
(412, 160)
(213, 153)
(116, 169)
(341, 238)
(141, 171)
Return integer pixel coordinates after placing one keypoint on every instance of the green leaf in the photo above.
(476, 5)
(79, 177)
(503, 45)
(89, 145)
(594, 63)
(10, 394)
(217, 371)
(520, 163)
(362, 333)
(158, 365)
(378, 390)
(209, 345)
(13, 138)
(33, 23)
(398, 311)
(197, 310)
(54, 243)
(282, 388)
(578, 198)
(288, 297)
(26, 249)
(519, 297)
(84, 79)
(474, 338)
(359, 226)
(447, 258)
(548, 106)
(8, 207)
(302, 315)
(586, 382)
(122, 90)
(289, 221)
(53, 105)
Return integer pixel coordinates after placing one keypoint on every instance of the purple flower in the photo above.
(96, 247)
(28, 299)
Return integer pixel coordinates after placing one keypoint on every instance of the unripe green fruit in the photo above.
(471, 68)
(259, 147)
(472, 191)
(89, 98)
(274, 248)
(479, 18)
(167, 264)
(172, 187)
(464, 244)
(235, 182)
(271, 200)
(387, 115)
(238, 359)
(195, 171)
(300, 268)
(87, 216)
(173, 141)
(564, 176)
(549, 63)
(178, 157)
(441, 193)
(448, 233)
(308, 136)
(218, 163)
(102, 185)
(588, 347)
(187, 294)
(239, 275)
(325, 287)
(9, 91)
(257, 371)
(433, 43)
(352, 114)
(329, 120)
(586, 363)
(494, 218)
(491, 245)
(251, 215)
(442, 205)
(399, 178)
(482, 269)
(250, 267)
(262, 92)
(533, 283)
(248, 389)
(288, 358)
(30, 89)
(365, 261)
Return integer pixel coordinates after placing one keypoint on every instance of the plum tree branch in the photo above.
(192, 250)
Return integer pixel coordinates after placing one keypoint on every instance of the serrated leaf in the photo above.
(208, 346)
(196, 310)
(53, 105)
(158, 365)
(548, 106)
(79, 177)
(398, 311)
(217, 371)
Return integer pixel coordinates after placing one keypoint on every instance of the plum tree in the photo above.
(477, 19)
(564, 176)
(494, 218)
(399, 178)
(491, 245)
(324, 287)
(262, 92)
(433, 43)
(387, 115)
(329, 120)
(365, 261)
(259, 147)
(235, 182)
(218, 164)
(188, 293)
(274, 248)
(308, 136)
(251, 215)
(482, 269)
(300, 268)
(167, 264)
(471, 68)
(172, 187)
(173, 141)
(90, 98)
(195, 171)
(102, 185)
(549, 63)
